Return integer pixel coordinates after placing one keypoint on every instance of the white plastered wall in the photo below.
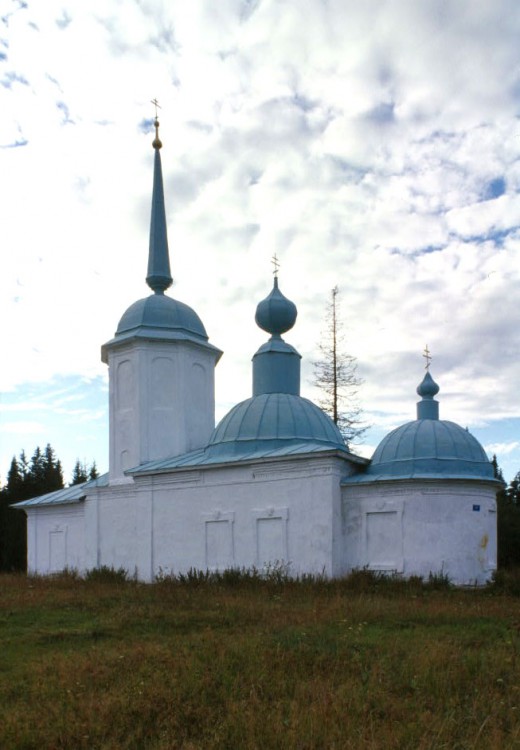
(422, 527)
(266, 513)
(162, 402)
(56, 539)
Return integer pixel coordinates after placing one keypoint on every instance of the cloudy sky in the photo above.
(371, 145)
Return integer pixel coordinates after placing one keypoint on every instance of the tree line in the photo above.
(27, 478)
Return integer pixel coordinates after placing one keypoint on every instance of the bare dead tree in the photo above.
(335, 374)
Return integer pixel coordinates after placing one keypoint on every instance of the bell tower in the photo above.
(161, 365)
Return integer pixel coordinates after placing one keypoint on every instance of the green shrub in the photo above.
(106, 574)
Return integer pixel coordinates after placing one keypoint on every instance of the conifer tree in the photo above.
(52, 471)
(25, 479)
(513, 491)
(335, 374)
(79, 474)
(15, 480)
(497, 471)
(23, 465)
(13, 525)
(508, 519)
(82, 473)
(36, 473)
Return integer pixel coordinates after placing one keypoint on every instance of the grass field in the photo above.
(241, 662)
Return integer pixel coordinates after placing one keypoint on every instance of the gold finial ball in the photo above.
(157, 141)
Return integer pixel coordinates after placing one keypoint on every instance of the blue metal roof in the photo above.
(231, 453)
(161, 318)
(276, 365)
(272, 425)
(159, 276)
(277, 416)
(276, 422)
(160, 311)
(157, 316)
(276, 368)
(427, 448)
(66, 496)
(276, 314)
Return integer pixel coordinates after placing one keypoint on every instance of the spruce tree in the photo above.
(497, 471)
(79, 474)
(82, 473)
(508, 519)
(52, 471)
(23, 465)
(36, 473)
(25, 479)
(15, 480)
(13, 523)
(513, 490)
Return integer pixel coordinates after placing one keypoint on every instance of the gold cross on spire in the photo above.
(156, 105)
(427, 356)
(276, 265)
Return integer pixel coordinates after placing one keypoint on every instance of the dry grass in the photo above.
(246, 663)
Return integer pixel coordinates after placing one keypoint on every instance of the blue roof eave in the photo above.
(430, 467)
(157, 334)
(66, 496)
(367, 478)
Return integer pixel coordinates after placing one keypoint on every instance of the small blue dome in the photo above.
(276, 418)
(160, 311)
(276, 314)
(430, 448)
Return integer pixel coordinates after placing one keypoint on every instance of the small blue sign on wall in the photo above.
(476, 507)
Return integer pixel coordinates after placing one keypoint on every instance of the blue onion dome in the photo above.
(276, 314)
(427, 388)
(161, 313)
(272, 420)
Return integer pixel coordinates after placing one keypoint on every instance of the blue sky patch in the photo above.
(146, 125)
(382, 114)
(495, 188)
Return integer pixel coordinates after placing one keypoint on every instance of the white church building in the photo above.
(273, 484)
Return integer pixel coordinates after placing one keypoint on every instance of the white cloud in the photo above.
(503, 448)
(373, 146)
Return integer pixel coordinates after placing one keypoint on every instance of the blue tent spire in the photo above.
(159, 275)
